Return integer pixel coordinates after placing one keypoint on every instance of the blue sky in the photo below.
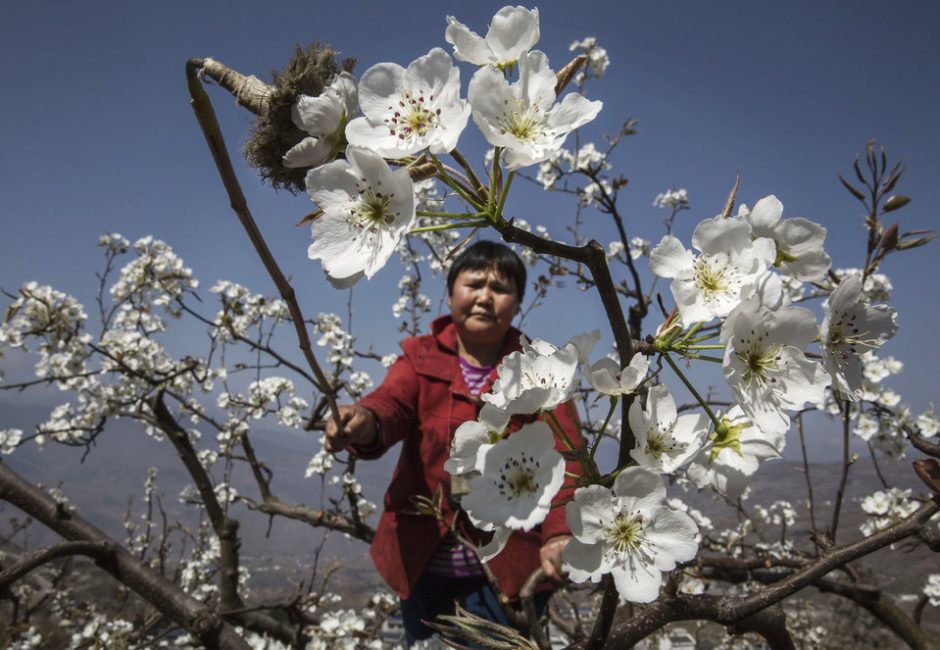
(99, 136)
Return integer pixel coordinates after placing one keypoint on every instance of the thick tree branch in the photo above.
(870, 597)
(922, 444)
(225, 528)
(770, 623)
(884, 609)
(201, 621)
(728, 610)
(35, 560)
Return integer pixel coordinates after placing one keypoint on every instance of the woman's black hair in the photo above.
(487, 254)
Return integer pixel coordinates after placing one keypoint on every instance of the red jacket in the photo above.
(421, 402)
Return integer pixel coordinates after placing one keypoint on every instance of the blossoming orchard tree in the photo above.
(379, 155)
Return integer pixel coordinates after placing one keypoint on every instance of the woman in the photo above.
(433, 388)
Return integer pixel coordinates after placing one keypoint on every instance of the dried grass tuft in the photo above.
(308, 72)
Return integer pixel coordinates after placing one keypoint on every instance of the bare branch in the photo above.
(205, 115)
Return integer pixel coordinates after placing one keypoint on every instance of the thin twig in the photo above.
(809, 483)
(840, 494)
(205, 115)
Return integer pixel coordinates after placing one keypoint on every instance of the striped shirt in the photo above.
(451, 558)
(475, 376)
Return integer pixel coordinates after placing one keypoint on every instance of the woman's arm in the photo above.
(386, 414)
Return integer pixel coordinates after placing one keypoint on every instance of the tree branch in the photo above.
(728, 610)
(33, 561)
(205, 115)
(770, 623)
(225, 528)
(200, 620)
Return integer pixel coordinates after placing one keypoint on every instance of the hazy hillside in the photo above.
(100, 486)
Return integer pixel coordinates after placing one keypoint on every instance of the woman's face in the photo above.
(482, 304)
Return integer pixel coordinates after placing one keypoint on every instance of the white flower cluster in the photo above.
(67, 424)
(103, 631)
(885, 508)
(594, 192)
(764, 337)
(321, 463)
(639, 247)
(629, 530)
(587, 160)
(932, 589)
(411, 299)
(197, 571)
(597, 62)
(672, 199)
(397, 112)
(878, 416)
(927, 422)
(10, 440)
(267, 396)
(155, 277)
(28, 639)
(51, 321)
(780, 513)
(358, 383)
(333, 336)
(243, 310)
(877, 287)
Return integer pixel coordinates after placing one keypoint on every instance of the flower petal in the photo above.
(670, 259)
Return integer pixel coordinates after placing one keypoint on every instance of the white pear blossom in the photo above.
(712, 284)
(473, 438)
(876, 504)
(765, 364)
(849, 329)
(866, 426)
(9, 440)
(672, 199)
(733, 454)
(512, 32)
(366, 209)
(519, 477)
(799, 241)
(886, 508)
(664, 439)
(691, 586)
(928, 423)
(523, 117)
(324, 118)
(629, 532)
(932, 589)
(606, 376)
(408, 110)
(541, 376)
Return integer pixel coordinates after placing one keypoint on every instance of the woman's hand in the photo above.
(357, 428)
(550, 555)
